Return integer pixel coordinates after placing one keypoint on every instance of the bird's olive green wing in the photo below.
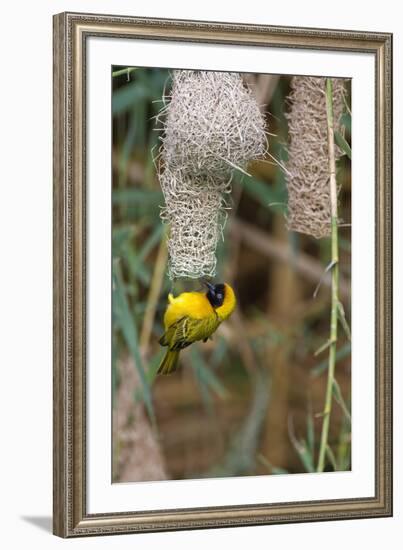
(188, 330)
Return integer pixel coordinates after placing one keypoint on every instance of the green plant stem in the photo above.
(335, 279)
(153, 296)
(124, 71)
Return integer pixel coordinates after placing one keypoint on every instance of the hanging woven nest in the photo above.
(211, 126)
(307, 167)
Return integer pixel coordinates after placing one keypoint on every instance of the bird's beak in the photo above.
(208, 285)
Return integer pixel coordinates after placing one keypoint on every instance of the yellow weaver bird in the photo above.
(193, 316)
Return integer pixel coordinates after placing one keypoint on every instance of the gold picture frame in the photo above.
(71, 31)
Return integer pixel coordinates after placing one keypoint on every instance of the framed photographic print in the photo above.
(222, 274)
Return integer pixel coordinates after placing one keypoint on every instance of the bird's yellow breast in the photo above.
(187, 304)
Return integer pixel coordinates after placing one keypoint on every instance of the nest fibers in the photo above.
(196, 214)
(308, 188)
(212, 124)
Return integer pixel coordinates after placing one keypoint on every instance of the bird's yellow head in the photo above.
(222, 298)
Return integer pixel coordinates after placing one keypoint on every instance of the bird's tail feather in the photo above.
(169, 363)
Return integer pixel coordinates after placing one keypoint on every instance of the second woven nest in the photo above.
(308, 169)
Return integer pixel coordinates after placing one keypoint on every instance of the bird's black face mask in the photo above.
(215, 294)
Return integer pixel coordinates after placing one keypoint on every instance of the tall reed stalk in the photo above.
(324, 448)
